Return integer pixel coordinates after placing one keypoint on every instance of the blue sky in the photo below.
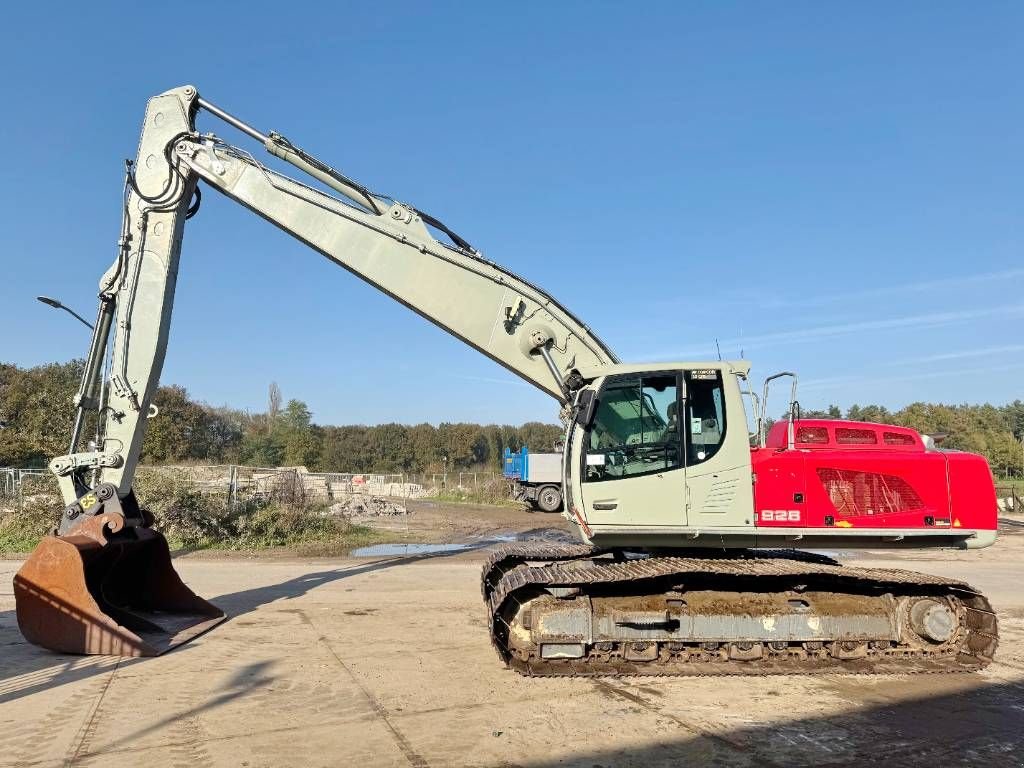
(833, 190)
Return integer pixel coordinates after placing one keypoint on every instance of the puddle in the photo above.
(398, 550)
(552, 535)
(392, 550)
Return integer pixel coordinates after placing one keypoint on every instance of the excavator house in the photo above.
(703, 533)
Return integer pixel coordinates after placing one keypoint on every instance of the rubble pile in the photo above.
(366, 506)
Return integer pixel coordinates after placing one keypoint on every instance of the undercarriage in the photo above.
(570, 610)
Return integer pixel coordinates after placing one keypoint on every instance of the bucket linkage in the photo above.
(103, 583)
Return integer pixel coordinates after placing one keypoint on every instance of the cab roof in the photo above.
(738, 367)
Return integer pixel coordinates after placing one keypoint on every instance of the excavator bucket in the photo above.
(94, 593)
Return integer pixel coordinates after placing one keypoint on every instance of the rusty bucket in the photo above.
(108, 589)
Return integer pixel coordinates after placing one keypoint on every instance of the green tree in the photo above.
(37, 412)
(292, 429)
(539, 437)
(345, 449)
(832, 412)
(424, 448)
(876, 413)
(391, 450)
(186, 430)
(261, 449)
(1015, 418)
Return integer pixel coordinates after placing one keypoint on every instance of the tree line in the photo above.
(36, 413)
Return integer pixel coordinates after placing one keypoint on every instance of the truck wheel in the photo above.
(550, 498)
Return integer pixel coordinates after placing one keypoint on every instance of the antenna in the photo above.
(719, 349)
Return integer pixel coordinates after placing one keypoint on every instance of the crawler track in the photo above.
(509, 557)
(522, 597)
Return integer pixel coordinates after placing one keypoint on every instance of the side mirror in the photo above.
(586, 404)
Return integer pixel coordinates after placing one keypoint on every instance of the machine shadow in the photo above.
(972, 725)
(26, 669)
(236, 604)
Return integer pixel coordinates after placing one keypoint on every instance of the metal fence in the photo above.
(1010, 498)
(15, 484)
(288, 483)
(463, 480)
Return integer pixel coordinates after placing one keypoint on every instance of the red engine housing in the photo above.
(851, 474)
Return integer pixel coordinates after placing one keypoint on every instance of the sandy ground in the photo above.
(385, 661)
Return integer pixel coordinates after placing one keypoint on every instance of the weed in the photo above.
(192, 519)
(494, 492)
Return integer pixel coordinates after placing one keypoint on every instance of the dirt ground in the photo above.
(432, 521)
(385, 661)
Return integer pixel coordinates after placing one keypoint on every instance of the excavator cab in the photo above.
(103, 583)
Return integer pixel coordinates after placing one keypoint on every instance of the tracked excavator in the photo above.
(697, 539)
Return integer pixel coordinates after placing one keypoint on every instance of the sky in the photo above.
(830, 189)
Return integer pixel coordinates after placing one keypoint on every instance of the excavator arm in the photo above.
(387, 243)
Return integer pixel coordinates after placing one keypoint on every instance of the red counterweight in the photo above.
(861, 475)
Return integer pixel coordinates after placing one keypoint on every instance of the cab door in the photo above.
(633, 470)
(718, 468)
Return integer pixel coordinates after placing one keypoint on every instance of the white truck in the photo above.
(535, 478)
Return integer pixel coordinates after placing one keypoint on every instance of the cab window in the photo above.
(636, 429)
(705, 415)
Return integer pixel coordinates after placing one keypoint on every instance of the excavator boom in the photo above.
(387, 243)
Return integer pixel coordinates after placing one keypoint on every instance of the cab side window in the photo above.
(636, 429)
(705, 415)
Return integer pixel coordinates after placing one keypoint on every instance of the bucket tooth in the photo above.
(108, 589)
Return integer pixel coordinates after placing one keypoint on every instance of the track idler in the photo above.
(106, 585)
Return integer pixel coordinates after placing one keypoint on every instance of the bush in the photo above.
(27, 517)
(189, 518)
(274, 526)
(185, 516)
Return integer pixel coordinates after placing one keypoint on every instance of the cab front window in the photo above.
(636, 429)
